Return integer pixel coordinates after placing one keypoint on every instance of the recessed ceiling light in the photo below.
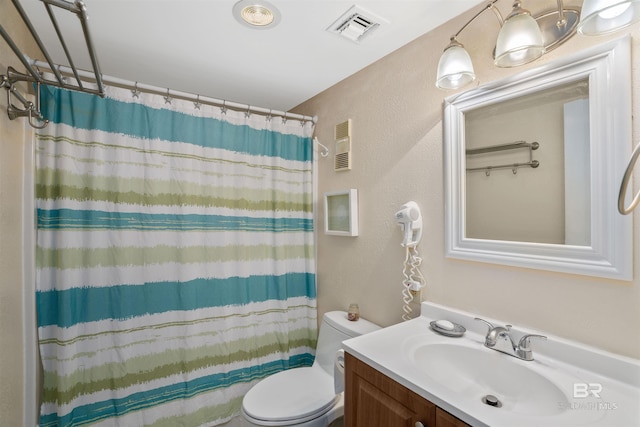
(256, 14)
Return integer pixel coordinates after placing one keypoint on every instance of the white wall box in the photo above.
(341, 213)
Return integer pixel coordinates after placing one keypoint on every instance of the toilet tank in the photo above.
(334, 329)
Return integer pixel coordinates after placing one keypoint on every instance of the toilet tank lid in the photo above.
(339, 320)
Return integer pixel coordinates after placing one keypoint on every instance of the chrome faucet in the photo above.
(499, 338)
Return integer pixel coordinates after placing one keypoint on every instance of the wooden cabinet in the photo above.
(374, 400)
(445, 419)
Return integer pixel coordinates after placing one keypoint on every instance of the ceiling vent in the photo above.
(356, 24)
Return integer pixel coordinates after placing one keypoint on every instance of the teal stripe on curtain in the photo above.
(175, 258)
(62, 307)
(87, 219)
(79, 110)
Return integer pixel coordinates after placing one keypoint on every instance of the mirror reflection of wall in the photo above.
(546, 204)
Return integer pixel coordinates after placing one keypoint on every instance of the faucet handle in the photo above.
(525, 343)
(489, 324)
(524, 346)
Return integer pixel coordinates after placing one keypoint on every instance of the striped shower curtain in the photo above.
(175, 257)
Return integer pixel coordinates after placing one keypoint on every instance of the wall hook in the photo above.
(35, 124)
(325, 150)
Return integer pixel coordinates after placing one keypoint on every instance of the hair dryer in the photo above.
(410, 219)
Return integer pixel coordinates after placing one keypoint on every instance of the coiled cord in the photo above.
(413, 280)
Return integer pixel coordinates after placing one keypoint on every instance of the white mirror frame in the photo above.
(608, 68)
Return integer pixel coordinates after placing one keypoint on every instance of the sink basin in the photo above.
(477, 372)
(567, 384)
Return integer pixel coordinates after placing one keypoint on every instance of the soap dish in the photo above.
(457, 331)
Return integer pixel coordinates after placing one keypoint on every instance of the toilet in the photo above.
(305, 397)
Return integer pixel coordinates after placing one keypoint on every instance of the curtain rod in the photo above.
(178, 94)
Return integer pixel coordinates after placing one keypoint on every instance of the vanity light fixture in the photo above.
(605, 16)
(519, 40)
(522, 38)
(258, 14)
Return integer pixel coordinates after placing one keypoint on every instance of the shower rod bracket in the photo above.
(17, 104)
(25, 108)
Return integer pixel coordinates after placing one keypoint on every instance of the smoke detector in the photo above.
(356, 24)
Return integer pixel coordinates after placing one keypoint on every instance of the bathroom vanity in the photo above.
(372, 399)
(409, 375)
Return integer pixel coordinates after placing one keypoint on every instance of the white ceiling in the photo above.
(197, 46)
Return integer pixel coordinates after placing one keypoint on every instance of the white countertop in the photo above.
(612, 382)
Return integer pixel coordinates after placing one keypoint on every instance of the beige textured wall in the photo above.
(12, 137)
(396, 112)
(397, 156)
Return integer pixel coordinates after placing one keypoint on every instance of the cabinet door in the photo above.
(445, 419)
(375, 400)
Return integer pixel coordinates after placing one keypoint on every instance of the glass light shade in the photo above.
(454, 68)
(519, 40)
(605, 16)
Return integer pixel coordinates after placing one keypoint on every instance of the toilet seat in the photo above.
(299, 395)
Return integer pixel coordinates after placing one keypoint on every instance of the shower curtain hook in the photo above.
(247, 113)
(223, 109)
(168, 99)
(284, 118)
(135, 92)
(38, 70)
(269, 116)
(64, 79)
(197, 104)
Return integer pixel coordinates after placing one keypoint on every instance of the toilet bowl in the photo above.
(305, 397)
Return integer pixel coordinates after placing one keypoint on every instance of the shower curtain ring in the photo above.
(284, 118)
(247, 113)
(269, 116)
(38, 70)
(135, 92)
(64, 78)
(223, 109)
(168, 99)
(197, 104)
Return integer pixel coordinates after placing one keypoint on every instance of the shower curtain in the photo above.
(175, 257)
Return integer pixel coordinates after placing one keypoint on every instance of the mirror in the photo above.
(533, 164)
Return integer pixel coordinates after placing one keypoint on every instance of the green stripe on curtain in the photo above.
(175, 258)
(142, 401)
